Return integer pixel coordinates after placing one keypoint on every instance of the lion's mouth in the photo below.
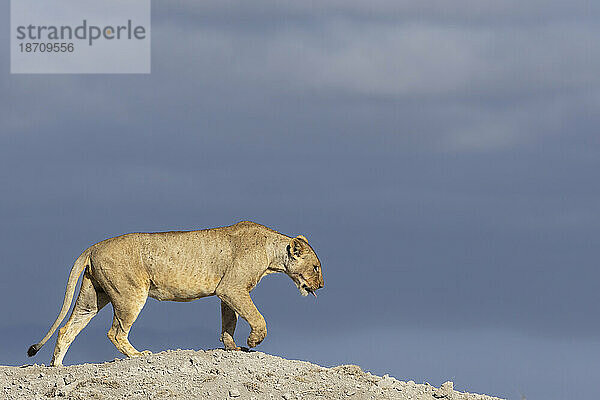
(309, 290)
(302, 286)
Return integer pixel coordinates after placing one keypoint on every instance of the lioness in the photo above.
(181, 266)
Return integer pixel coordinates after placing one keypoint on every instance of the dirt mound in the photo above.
(213, 374)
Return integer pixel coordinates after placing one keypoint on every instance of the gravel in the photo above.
(213, 374)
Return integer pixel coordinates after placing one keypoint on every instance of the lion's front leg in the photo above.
(228, 322)
(242, 304)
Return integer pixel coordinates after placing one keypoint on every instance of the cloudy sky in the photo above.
(441, 157)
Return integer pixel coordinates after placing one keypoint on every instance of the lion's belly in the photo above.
(180, 287)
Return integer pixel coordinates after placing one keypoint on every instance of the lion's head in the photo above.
(304, 266)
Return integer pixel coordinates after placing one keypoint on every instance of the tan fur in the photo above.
(182, 266)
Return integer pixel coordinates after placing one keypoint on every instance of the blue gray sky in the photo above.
(441, 157)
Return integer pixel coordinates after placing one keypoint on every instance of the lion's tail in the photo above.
(80, 264)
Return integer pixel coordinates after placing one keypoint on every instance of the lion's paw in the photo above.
(141, 353)
(255, 338)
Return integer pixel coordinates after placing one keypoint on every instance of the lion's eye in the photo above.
(316, 268)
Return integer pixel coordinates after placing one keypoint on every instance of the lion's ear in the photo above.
(297, 246)
(302, 237)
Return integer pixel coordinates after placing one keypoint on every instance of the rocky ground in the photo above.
(212, 374)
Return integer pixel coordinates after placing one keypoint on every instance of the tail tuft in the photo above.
(33, 349)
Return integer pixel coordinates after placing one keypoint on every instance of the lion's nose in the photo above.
(321, 284)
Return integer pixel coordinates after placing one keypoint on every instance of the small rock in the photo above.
(287, 396)
(386, 382)
(234, 393)
(446, 390)
(350, 392)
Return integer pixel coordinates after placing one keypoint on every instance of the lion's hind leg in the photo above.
(91, 299)
(126, 309)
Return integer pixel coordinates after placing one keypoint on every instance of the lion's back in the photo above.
(182, 258)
